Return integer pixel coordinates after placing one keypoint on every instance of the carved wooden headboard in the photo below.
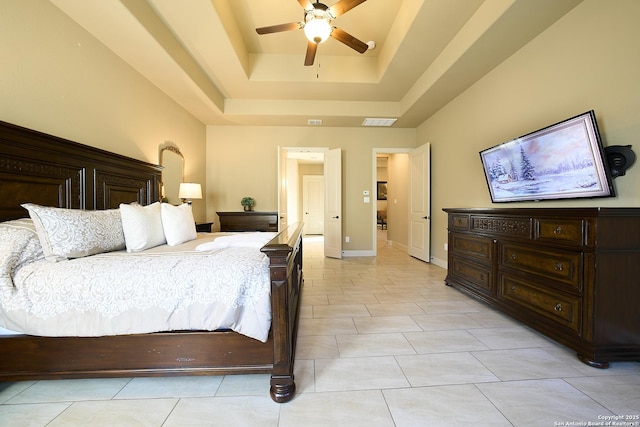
(51, 171)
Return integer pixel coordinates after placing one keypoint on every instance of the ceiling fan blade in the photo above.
(344, 6)
(346, 38)
(311, 53)
(306, 4)
(280, 27)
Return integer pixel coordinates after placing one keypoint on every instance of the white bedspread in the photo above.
(161, 289)
(242, 240)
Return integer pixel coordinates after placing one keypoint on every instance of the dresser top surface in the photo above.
(556, 212)
(246, 213)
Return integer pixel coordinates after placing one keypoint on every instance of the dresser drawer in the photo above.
(460, 222)
(505, 226)
(561, 231)
(479, 248)
(557, 306)
(478, 276)
(564, 267)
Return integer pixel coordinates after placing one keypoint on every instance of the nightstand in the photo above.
(248, 221)
(204, 227)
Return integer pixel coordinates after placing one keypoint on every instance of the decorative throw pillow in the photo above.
(142, 226)
(19, 246)
(76, 233)
(178, 223)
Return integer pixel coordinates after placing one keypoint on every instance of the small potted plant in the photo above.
(248, 203)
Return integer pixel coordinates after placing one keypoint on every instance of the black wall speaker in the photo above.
(620, 158)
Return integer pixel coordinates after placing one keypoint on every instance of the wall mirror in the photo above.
(173, 173)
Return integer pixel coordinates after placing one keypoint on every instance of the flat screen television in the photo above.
(563, 161)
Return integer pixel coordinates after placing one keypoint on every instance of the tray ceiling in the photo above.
(207, 56)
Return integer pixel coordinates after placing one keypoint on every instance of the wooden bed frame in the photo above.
(47, 170)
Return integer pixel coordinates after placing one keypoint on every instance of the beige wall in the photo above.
(243, 161)
(57, 78)
(588, 60)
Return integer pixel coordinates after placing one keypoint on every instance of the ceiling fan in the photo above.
(317, 26)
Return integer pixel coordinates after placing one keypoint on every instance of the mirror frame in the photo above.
(169, 146)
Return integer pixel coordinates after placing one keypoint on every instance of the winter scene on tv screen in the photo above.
(554, 164)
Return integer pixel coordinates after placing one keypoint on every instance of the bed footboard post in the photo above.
(285, 265)
(283, 388)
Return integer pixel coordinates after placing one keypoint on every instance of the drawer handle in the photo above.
(559, 266)
(558, 307)
(513, 256)
(557, 230)
(513, 287)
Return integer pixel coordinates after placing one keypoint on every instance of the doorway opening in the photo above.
(301, 196)
(382, 180)
(293, 163)
(390, 171)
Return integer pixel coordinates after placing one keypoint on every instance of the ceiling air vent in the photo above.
(314, 122)
(378, 122)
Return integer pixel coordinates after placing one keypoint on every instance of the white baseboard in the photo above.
(439, 262)
(400, 246)
(349, 254)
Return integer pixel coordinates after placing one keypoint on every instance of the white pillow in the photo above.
(76, 233)
(142, 226)
(178, 223)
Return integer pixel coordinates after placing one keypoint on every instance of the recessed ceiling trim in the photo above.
(242, 79)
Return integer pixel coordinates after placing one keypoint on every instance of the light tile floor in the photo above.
(382, 342)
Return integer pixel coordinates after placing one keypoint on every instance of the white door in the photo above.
(333, 204)
(282, 188)
(419, 203)
(313, 203)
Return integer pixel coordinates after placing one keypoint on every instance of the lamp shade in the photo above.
(317, 30)
(190, 190)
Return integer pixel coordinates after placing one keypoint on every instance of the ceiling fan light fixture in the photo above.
(317, 27)
(317, 30)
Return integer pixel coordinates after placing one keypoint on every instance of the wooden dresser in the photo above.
(248, 221)
(572, 274)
